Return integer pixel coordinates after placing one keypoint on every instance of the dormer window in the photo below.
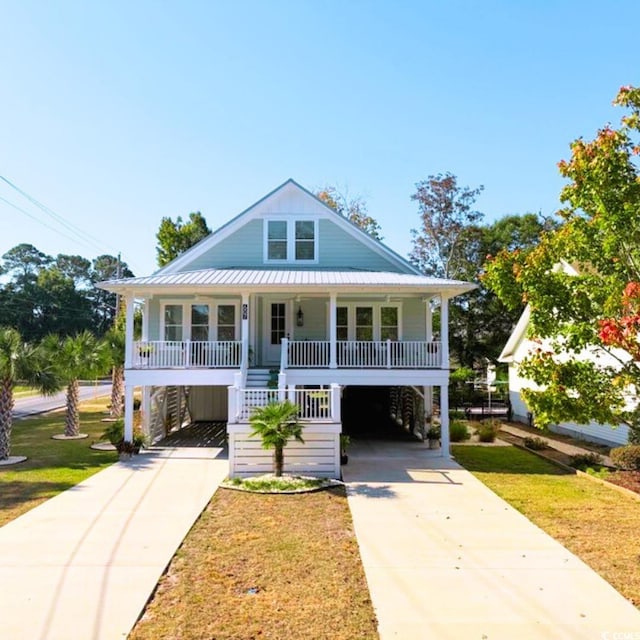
(291, 241)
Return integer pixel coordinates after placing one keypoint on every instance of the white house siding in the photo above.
(593, 432)
(414, 319)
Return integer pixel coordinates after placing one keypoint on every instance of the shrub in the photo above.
(433, 432)
(488, 430)
(584, 460)
(535, 443)
(456, 414)
(458, 431)
(627, 457)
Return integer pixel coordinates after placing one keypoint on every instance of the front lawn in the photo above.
(265, 566)
(52, 465)
(596, 522)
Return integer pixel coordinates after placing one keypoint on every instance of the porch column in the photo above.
(333, 304)
(428, 402)
(145, 409)
(444, 331)
(244, 358)
(444, 419)
(128, 332)
(428, 320)
(145, 320)
(335, 403)
(128, 408)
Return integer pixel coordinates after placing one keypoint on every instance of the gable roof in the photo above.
(517, 335)
(182, 261)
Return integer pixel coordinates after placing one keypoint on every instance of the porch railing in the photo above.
(362, 354)
(316, 405)
(186, 354)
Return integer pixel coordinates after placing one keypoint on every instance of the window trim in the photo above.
(291, 240)
(377, 317)
(186, 317)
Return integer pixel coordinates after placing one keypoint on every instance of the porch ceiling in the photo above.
(278, 280)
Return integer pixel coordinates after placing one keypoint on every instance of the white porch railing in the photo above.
(186, 354)
(316, 405)
(361, 354)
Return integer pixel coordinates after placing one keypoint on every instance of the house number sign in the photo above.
(245, 311)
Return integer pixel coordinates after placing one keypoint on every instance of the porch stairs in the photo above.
(261, 379)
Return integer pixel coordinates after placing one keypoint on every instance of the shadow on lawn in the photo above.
(17, 492)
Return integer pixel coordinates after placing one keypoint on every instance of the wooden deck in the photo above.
(198, 434)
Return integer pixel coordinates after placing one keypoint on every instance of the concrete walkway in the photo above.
(82, 565)
(445, 558)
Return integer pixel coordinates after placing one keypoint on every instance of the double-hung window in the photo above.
(291, 241)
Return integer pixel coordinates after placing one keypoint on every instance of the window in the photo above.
(342, 323)
(226, 322)
(388, 323)
(291, 241)
(277, 240)
(173, 322)
(305, 240)
(278, 322)
(364, 323)
(200, 322)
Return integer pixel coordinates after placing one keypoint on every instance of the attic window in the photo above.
(291, 240)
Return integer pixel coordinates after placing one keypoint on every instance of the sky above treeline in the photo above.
(115, 114)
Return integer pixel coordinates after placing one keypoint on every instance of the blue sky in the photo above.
(114, 114)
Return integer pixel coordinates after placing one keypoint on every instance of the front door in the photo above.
(276, 328)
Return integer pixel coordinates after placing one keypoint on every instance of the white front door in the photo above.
(276, 327)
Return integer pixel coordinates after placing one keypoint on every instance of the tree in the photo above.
(24, 362)
(74, 358)
(447, 219)
(105, 267)
(276, 423)
(353, 209)
(115, 341)
(176, 237)
(580, 283)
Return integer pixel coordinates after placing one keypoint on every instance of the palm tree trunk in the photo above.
(72, 422)
(117, 391)
(6, 417)
(278, 459)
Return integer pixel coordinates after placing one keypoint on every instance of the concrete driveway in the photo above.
(446, 558)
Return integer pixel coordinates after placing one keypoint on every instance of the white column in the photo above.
(429, 321)
(232, 409)
(333, 304)
(444, 419)
(335, 403)
(145, 320)
(244, 314)
(128, 332)
(145, 408)
(128, 409)
(428, 401)
(444, 331)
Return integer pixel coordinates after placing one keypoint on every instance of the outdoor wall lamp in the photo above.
(300, 317)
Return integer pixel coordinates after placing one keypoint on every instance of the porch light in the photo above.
(300, 317)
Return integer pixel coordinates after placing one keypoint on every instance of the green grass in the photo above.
(20, 391)
(596, 522)
(52, 465)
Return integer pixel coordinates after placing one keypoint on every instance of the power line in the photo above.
(56, 216)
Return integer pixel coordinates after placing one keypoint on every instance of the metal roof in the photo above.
(283, 279)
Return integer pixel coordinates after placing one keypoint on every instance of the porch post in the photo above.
(335, 403)
(444, 332)
(128, 409)
(232, 409)
(333, 304)
(428, 320)
(128, 332)
(145, 409)
(444, 419)
(428, 401)
(145, 320)
(244, 357)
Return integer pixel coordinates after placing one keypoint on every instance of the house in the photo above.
(288, 300)
(520, 345)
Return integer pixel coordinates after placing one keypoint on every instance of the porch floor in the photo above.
(197, 434)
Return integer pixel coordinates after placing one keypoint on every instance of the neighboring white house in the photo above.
(287, 299)
(519, 346)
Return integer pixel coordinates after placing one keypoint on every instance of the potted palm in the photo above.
(433, 437)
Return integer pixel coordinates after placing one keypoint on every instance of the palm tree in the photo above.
(276, 423)
(77, 357)
(115, 341)
(19, 361)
